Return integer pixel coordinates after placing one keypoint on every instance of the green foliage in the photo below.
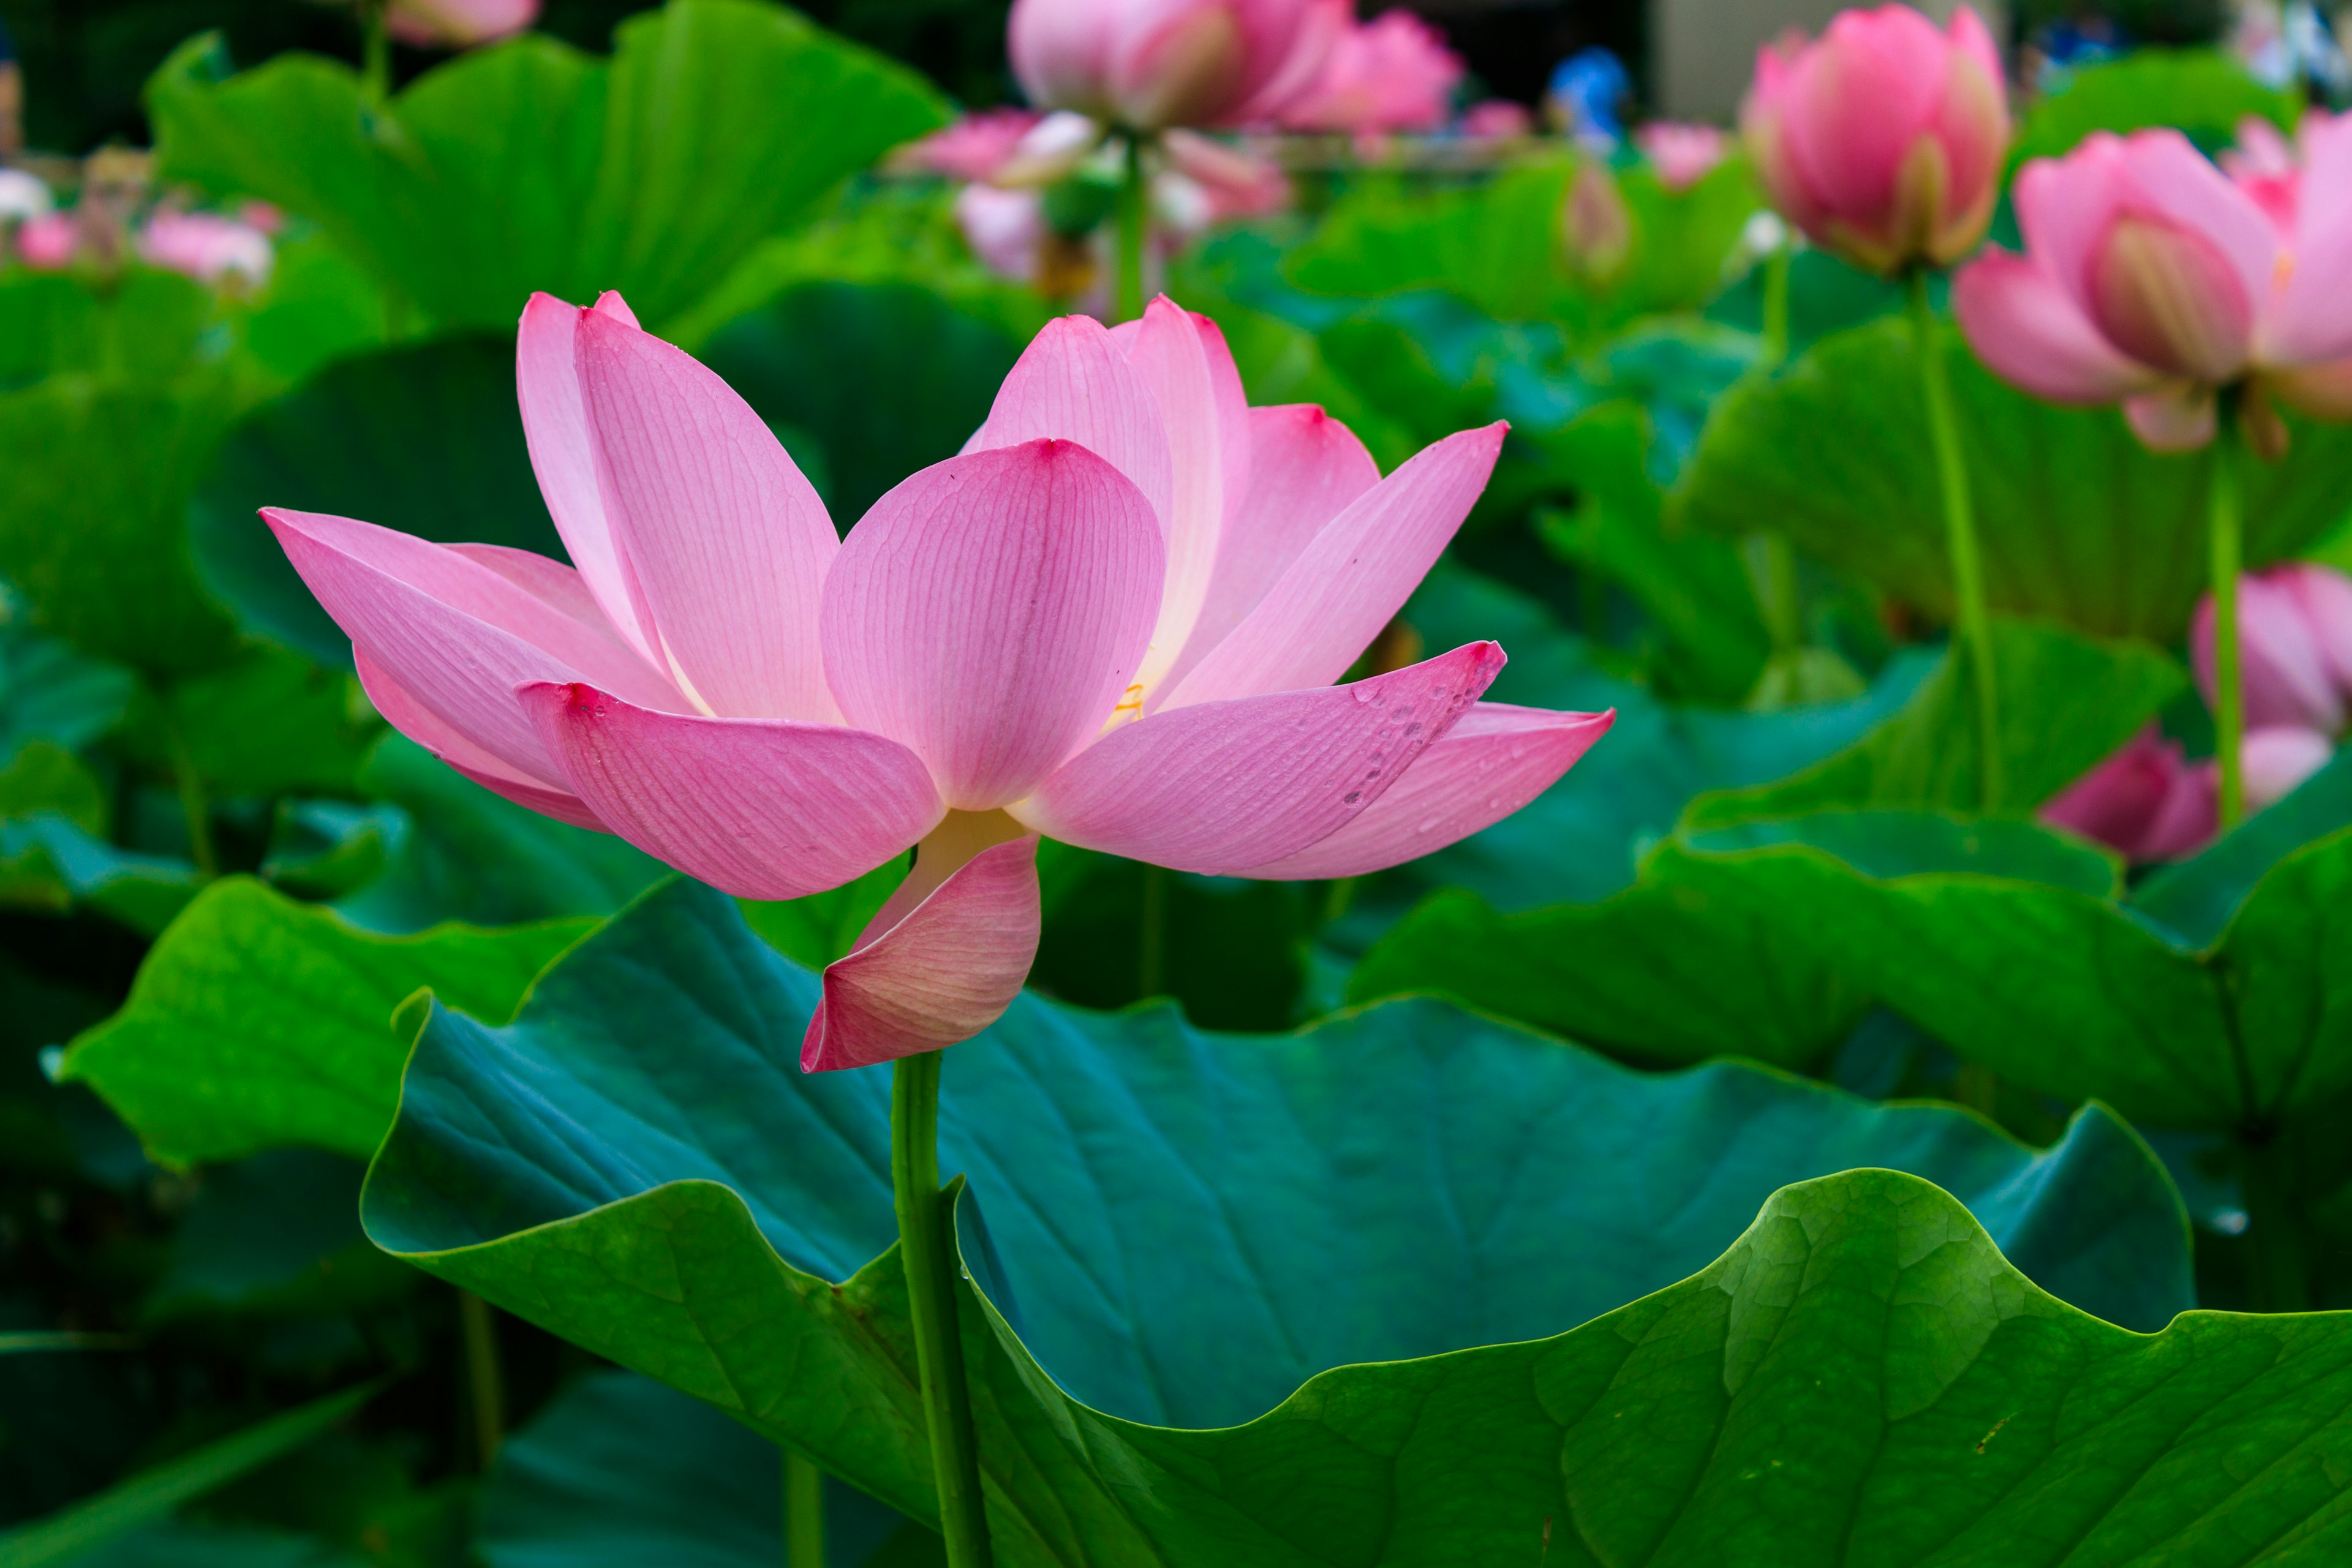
(529, 165)
(2204, 92)
(280, 1234)
(2079, 523)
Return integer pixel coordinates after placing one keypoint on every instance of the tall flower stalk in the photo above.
(926, 1254)
(2224, 523)
(1960, 538)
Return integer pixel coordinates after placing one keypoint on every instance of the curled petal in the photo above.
(941, 975)
(991, 611)
(1494, 760)
(1221, 786)
(763, 809)
(2028, 331)
(563, 454)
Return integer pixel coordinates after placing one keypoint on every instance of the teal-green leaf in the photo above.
(257, 1022)
(2078, 521)
(529, 165)
(1180, 1224)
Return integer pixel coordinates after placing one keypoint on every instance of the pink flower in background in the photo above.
(1004, 229)
(1498, 118)
(1148, 65)
(2149, 277)
(2295, 647)
(1882, 139)
(1391, 73)
(2277, 760)
(1113, 619)
(47, 243)
(974, 148)
(1231, 183)
(457, 24)
(1683, 154)
(2146, 801)
(206, 246)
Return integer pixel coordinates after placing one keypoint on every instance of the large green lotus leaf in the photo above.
(1186, 1228)
(2078, 993)
(1677, 969)
(424, 438)
(2078, 521)
(2203, 92)
(529, 165)
(2066, 702)
(619, 1471)
(1583, 838)
(256, 1021)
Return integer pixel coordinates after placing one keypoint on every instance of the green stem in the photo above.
(932, 1304)
(1152, 958)
(1776, 305)
(375, 52)
(2229, 699)
(1134, 231)
(1960, 527)
(193, 807)
(803, 1514)
(483, 1381)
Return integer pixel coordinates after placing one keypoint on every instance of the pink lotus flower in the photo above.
(2278, 758)
(1882, 139)
(2149, 277)
(47, 243)
(1146, 65)
(2146, 801)
(1682, 155)
(1113, 619)
(1498, 119)
(206, 246)
(1005, 230)
(457, 24)
(2294, 648)
(973, 148)
(1391, 73)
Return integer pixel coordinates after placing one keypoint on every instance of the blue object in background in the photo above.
(1586, 96)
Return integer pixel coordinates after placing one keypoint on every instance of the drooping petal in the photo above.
(939, 976)
(1352, 579)
(2176, 417)
(2028, 331)
(727, 544)
(562, 453)
(1306, 468)
(989, 611)
(1221, 786)
(404, 713)
(1495, 760)
(457, 635)
(1073, 384)
(763, 809)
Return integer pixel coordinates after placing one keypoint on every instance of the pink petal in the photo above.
(2186, 818)
(2323, 594)
(555, 427)
(2284, 673)
(763, 809)
(2176, 417)
(2028, 331)
(2167, 176)
(2115, 802)
(1074, 384)
(940, 976)
(2168, 297)
(2277, 760)
(1221, 786)
(1495, 760)
(727, 544)
(1306, 468)
(989, 611)
(1854, 103)
(2064, 207)
(2308, 321)
(457, 635)
(404, 713)
(1184, 360)
(1353, 577)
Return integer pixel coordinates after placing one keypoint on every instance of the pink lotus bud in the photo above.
(2146, 802)
(47, 243)
(1392, 73)
(1146, 65)
(1682, 155)
(206, 246)
(1882, 139)
(2295, 647)
(457, 24)
(1596, 227)
(2276, 761)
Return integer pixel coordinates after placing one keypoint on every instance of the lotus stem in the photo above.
(803, 1514)
(932, 1304)
(1134, 232)
(485, 1382)
(2229, 698)
(1776, 304)
(375, 52)
(1960, 528)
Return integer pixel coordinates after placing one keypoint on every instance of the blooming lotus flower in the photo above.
(1148, 65)
(1682, 155)
(206, 246)
(1114, 619)
(1882, 139)
(2146, 801)
(2151, 278)
(457, 24)
(1391, 73)
(2294, 648)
